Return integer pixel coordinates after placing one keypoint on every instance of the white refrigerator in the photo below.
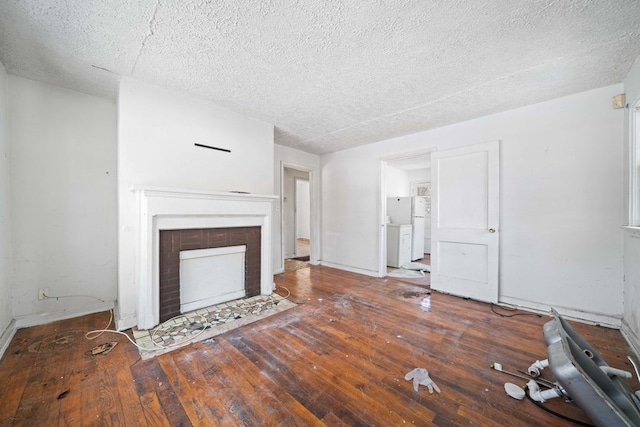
(410, 210)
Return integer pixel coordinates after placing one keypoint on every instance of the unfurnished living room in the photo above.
(334, 213)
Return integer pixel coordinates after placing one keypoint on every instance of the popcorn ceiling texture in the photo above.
(332, 74)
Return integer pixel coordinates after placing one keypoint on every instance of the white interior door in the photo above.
(464, 221)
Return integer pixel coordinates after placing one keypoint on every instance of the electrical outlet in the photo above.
(42, 293)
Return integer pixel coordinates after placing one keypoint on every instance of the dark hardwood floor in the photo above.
(338, 358)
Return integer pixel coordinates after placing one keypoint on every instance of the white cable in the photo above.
(121, 333)
(204, 327)
(288, 291)
(101, 330)
(90, 335)
(635, 367)
(155, 330)
(72, 296)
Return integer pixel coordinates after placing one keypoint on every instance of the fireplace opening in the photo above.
(173, 242)
(211, 276)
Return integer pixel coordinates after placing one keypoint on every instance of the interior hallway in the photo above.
(301, 259)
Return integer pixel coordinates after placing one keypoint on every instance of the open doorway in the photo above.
(405, 208)
(296, 218)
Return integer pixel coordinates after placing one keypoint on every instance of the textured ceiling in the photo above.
(330, 74)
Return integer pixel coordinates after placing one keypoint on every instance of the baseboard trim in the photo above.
(631, 337)
(7, 336)
(566, 312)
(350, 269)
(43, 318)
(127, 323)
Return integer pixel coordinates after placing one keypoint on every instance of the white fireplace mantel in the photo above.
(173, 209)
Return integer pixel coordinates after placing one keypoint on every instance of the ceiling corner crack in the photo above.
(150, 32)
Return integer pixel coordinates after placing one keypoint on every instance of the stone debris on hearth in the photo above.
(185, 326)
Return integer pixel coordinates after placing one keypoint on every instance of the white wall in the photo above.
(157, 130)
(303, 209)
(561, 201)
(6, 314)
(306, 162)
(420, 175)
(397, 182)
(63, 200)
(631, 319)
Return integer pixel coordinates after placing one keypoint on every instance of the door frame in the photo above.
(314, 195)
(382, 202)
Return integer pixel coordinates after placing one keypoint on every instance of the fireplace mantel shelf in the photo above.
(188, 193)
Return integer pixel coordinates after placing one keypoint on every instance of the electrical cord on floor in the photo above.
(288, 295)
(92, 335)
(635, 367)
(119, 333)
(556, 414)
(511, 309)
(89, 335)
(153, 335)
(288, 291)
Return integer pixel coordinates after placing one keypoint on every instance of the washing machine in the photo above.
(398, 244)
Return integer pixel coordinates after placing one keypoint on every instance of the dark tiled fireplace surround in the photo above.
(174, 241)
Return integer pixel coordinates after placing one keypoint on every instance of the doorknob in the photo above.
(492, 230)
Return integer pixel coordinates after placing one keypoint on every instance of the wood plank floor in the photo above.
(338, 358)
